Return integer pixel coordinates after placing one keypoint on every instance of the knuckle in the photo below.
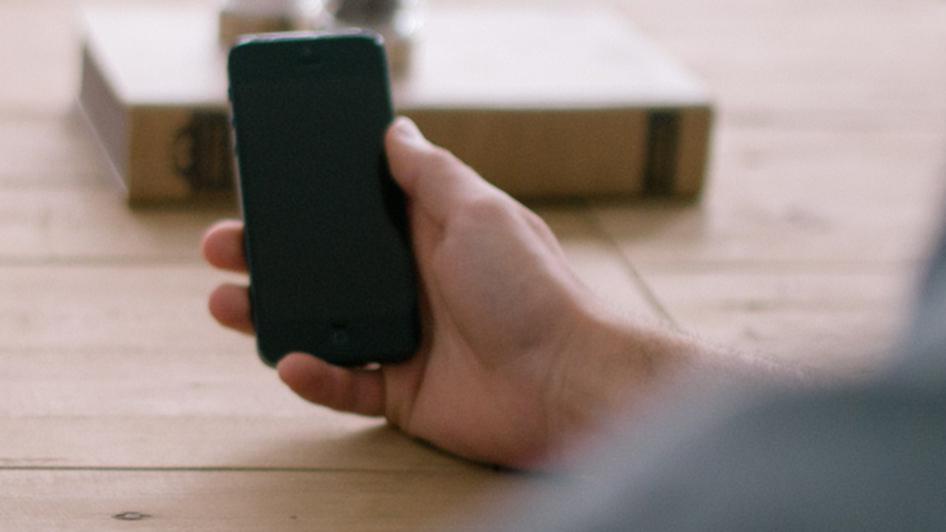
(484, 209)
(534, 219)
(440, 159)
(539, 225)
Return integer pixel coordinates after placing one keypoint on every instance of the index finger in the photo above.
(223, 246)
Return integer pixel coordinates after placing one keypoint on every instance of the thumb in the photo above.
(431, 176)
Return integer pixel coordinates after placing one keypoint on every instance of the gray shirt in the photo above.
(865, 456)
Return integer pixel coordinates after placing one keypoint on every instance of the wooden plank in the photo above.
(145, 309)
(842, 55)
(92, 223)
(44, 149)
(813, 196)
(836, 322)
(125, 384)
(152, 308)
(39, 64)
(106, 365)
(234, 501)
(121, 364)
(162, 307)
(597, 260)
(282, 439)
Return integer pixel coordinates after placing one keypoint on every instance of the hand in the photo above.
(504, 320)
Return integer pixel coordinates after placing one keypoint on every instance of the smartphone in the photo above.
(327, 243)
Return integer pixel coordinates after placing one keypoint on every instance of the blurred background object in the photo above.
(602, 113)
(241, 17)
(396, 20)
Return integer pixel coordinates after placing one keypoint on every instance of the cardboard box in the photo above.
(557, 102)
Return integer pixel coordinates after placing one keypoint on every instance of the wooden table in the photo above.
(121, 401)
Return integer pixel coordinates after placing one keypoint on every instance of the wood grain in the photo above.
(39, 69)
(90, 500)
(771, 58)
(598, 262)
(833, 322)
(47, 148)
(119, 363)
(822, 194)
(314, 440)
(119, 394)
(162, 308)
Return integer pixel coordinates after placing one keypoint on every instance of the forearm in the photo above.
(621, 367)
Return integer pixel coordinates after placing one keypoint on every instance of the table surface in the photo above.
(121, 400)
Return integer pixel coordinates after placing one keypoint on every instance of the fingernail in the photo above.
(407, 129)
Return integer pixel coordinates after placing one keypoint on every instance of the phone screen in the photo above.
(326, 233)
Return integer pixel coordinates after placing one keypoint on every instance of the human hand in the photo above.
(504, 319)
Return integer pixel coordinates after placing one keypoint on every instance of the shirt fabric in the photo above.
(860, 456)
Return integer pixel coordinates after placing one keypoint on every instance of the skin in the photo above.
(518, 360)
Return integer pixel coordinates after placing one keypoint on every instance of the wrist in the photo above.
(611, 368)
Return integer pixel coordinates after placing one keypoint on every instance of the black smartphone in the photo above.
(331, 268)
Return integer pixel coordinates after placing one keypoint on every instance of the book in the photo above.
(555, 102)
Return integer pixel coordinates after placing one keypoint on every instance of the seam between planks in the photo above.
(646, 291)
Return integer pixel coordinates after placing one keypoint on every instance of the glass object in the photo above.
(240, 17)
(398, 21)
